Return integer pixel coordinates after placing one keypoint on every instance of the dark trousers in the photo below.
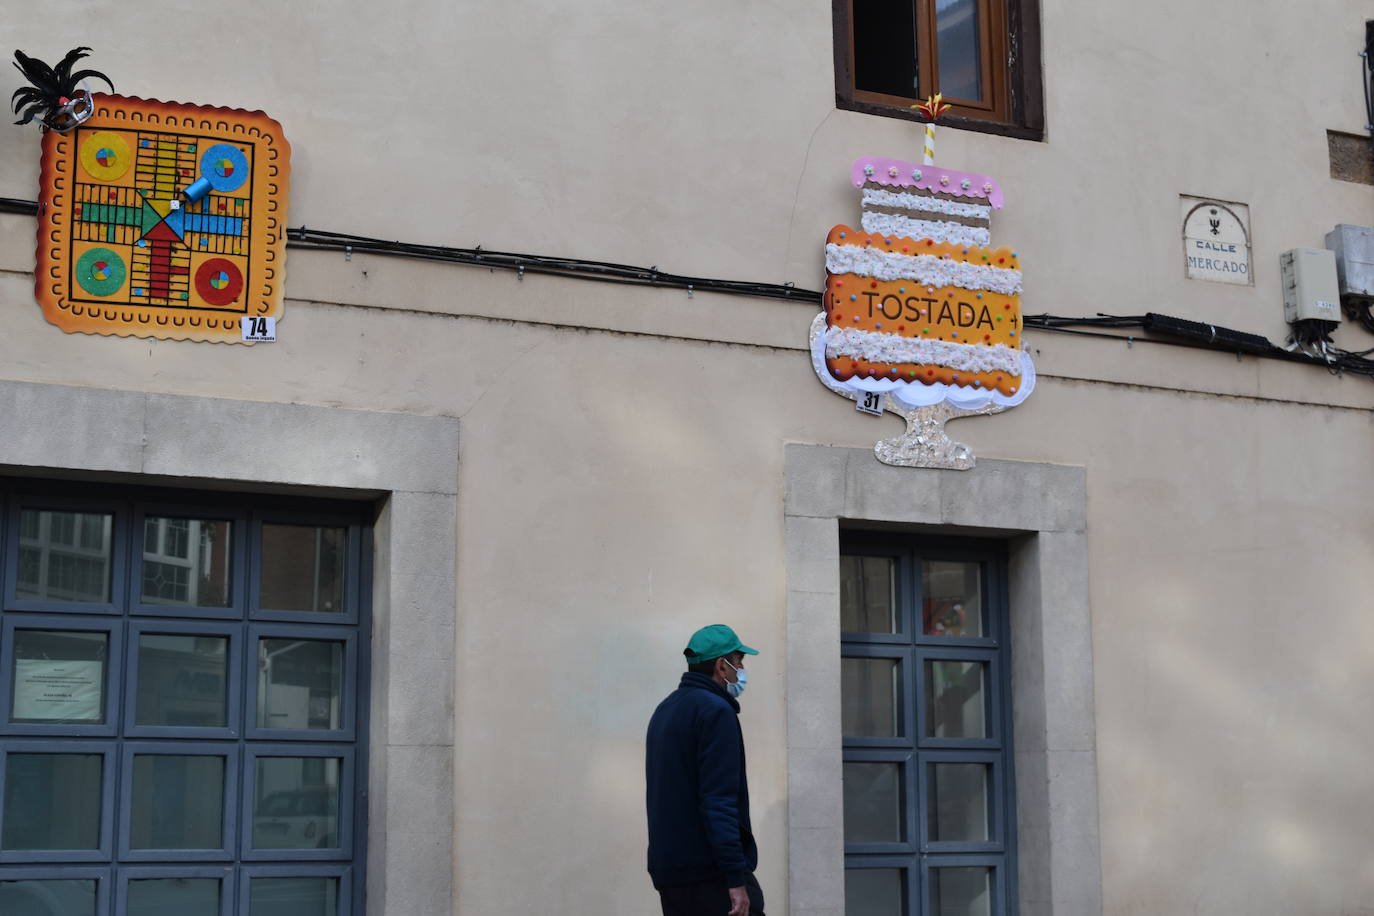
(709, 899)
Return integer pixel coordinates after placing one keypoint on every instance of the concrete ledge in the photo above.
(131, 432)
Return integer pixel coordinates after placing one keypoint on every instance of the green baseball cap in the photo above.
(714, 641)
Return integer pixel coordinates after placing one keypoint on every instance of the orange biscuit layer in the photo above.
(907, 309)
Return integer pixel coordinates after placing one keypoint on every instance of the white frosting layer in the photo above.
(927, 269)
(881, 347)
(940, 231)
(874, 197)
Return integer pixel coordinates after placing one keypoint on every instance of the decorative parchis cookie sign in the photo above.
(922, 317)
(158, 219)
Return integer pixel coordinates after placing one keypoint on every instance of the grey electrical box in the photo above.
(1309, 285)
(1354, 248)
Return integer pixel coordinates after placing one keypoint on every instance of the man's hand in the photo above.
(739, 901)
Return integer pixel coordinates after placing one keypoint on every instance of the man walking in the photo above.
(701, 846)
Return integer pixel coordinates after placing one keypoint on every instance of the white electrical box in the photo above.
(1354, 247)
(1309, 285)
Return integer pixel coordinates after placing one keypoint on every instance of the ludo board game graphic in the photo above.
(161, 219)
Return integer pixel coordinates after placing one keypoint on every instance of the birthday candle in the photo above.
(933, 107)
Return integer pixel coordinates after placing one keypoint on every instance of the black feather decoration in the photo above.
(55, 96)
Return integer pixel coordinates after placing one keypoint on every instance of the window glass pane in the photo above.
(956, 24)
(293, 897)
(874, 892)
(181, 680)
(168, 896)
(964, 891)
(956, 702)
(178, 802)
(300, 683)
(46, 897)
(958, 803)
(952, 598)
(303, 568)
(187, 562)
(297, 804)
(885, 47)
(869, 697)
(52, 801)
(58, 677)
(872, 802)
(868, 594)
(65, 556)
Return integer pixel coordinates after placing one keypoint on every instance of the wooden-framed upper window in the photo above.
(982, 55)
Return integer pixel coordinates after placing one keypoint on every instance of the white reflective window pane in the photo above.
(874, 892)
(178, 802)
(46, 897)
(868, 594)
(297, 804)
(58, 677)
(956, 25)
(52, 801)
(956, 703)
(964, 891)
(952, 598)
(182, 680)
(303, 568)
(872, 802)
(173, 896)
(869, 697)
(293, 897)
(65, 556)
(300, 683)
(187, 562)
(958, 803)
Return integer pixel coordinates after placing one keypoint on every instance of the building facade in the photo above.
(404, 585)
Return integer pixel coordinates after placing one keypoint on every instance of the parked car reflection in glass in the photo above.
(305, 818)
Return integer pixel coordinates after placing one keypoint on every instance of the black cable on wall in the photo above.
(1174, 331)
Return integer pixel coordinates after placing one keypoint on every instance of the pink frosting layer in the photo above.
(933, 178)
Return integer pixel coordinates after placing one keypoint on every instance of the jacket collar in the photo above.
(702, 682)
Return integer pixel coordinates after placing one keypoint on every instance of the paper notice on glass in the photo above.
(61, 691)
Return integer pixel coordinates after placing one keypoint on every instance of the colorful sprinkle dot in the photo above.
(841, 235)
(855, 298)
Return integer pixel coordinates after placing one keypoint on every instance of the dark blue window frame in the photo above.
(917, 854)
(124, 617)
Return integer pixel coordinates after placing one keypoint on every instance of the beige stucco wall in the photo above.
(621, 459)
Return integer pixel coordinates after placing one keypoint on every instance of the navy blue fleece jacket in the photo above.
(697, 794)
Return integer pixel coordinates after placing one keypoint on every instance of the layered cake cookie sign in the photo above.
(918, 303)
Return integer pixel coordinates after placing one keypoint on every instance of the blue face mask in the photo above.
(741, 680)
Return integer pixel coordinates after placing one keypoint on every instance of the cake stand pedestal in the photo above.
(925, 444)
